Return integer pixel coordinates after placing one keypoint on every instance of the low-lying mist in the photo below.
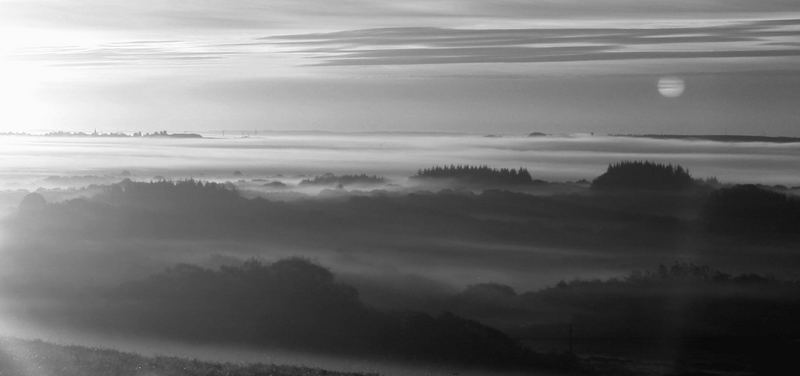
(386, 257)
(29, 162)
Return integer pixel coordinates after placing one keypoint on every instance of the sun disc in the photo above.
(671, 87)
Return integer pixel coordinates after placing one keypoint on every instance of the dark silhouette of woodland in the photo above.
(198, 210)
(331, 179)
(297, 304)
(638, 210)
(645, 297)
(710, 316)
(716, 137)
(159, 134)
(476, 174)
(643, 175)
(204, 210)
(752, 210)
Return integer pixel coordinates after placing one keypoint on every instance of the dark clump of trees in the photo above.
(331, 179)
(297, 304)
(643, 175)
(476, 174)
(752, 210)
(292, 301)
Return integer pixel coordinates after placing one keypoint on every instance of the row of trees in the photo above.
(476, 174)
(331, 179)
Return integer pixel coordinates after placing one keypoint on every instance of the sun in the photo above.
(671, 87)
(20, 106)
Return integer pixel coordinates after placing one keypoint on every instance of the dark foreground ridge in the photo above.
(23, 357)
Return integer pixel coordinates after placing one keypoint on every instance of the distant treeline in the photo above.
(715, 137)
(121, 134)
(476, 174)
(331, 179)
(681, 272)
(643, 175)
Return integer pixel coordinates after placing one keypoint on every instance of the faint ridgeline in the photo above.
(644, 175)
(161, 134)
(483, 175)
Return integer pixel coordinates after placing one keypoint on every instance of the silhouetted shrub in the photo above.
(643, 175)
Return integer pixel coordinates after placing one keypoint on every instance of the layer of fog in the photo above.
(50, 162)
(252, 160)
(398, 268)
(65, 167)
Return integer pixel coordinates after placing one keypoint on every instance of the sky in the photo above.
(473, 66)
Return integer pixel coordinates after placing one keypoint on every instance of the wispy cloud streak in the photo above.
(400, 46)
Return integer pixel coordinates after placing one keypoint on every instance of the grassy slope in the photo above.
(35, 358)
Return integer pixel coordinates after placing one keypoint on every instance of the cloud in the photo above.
(401, 46)
(196, 15)
(432, 45)
(138, 53)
